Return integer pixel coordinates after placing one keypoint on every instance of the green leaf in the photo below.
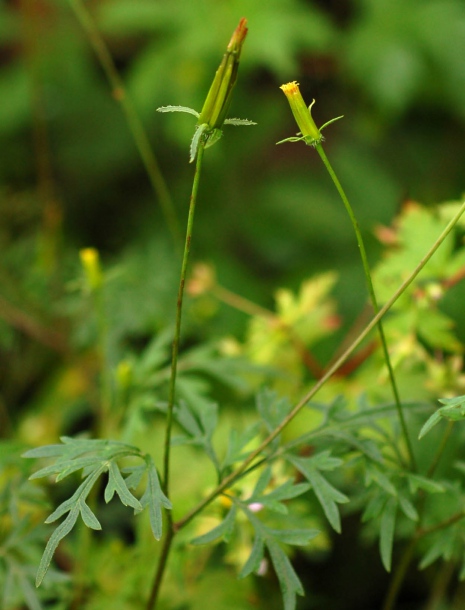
(178, 109)
(118, 484)
(386, 537)
(262, 484)
(223, 530)
(416, 482)
(288, 580)
(328, 496)
(154, 498)
(88, 516)
(239, 122)
(45, 451)
(299, 537)
(237, 442)
(442, 546)
(408, 508)
(255, 558)
(430, 423)
(271, 408)
(199, 132)
(61, 531)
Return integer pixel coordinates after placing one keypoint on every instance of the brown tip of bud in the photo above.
(238, 36)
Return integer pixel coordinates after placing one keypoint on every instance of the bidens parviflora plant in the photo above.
(309, 132)
(213, 115)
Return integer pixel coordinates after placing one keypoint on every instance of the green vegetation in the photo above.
(250, 416)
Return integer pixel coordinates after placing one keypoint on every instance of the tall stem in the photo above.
(168, 540)
(135, 124)
(177, 330)
(374, 302)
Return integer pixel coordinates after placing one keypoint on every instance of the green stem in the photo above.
(162, 563)
(167, 543)
(135, 124)
(177, 331)
(399, 575)
(229, 480)
(374, 302)
(440, 449)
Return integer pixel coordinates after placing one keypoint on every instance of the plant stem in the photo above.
(374, 302)
(440, 449)
(162, 563)
(329, 373)
(177, 331)
(399, 575)
(135, 124)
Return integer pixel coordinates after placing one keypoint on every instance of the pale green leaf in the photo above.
(288, 580)
(118, 484)
(154, 498)
(88, 516)
(61, 531)
(430, 423)
(386, 536)
(255, 558)
(178, 109)
(223, 530)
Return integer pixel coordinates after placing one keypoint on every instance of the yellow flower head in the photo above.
(302, 114)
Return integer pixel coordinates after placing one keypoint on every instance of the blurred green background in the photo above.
(72, 177)
(268, 216)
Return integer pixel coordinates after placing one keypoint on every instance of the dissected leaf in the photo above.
(327, 495)
(288, 579)
(255, 558)
(118, 484)
(237, 442)
(61, 531)
(272, 409)
(154, 498)
(223, 530)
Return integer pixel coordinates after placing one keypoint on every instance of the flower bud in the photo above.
(218, 99)
(302, 114)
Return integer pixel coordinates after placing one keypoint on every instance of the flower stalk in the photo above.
(311, 135)
(207, 132)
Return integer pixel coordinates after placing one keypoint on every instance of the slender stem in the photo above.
(177, 331)
(440, 450)
(162, 563)
(399, 575)
(374, 302)
(135, 124)
(329, 373)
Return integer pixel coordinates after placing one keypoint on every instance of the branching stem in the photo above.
(229, 480)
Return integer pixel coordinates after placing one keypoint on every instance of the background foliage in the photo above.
(270, 229)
